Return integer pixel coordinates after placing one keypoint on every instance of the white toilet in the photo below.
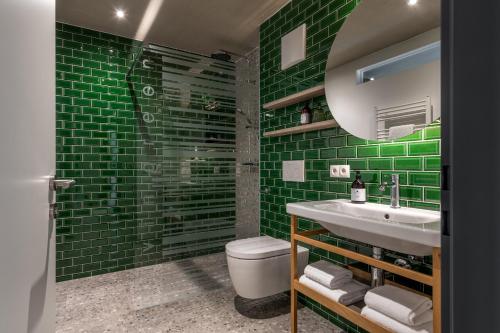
(260, 266)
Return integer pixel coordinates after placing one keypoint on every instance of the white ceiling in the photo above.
(202, 26)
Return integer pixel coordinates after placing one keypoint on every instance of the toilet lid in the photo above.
(259, 248)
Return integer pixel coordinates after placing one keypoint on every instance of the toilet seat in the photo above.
(259, 248)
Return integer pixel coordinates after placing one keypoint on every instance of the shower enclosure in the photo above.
(185, 112)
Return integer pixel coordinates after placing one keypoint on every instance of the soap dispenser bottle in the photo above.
(358, 190)
(305, 115)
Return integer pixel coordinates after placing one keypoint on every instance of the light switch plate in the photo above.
(293, 171)
(293, 47)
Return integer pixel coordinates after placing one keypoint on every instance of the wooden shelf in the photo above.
(302, 128)
(295, 98)
(398, 270)
(349, 312)
(366, 277)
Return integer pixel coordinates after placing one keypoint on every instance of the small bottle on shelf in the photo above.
(305, 115)
(358, 190)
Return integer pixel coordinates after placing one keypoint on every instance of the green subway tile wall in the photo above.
(114, 218)
(96, 145)
(415, 158)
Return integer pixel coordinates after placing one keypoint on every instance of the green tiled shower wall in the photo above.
(109, 221)
(415, 158)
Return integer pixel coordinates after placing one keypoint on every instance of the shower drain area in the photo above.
(193, 295)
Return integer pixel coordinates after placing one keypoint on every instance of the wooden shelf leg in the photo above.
(293, 275)
(436, 289)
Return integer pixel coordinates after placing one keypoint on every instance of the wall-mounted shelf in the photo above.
(295, 98)
(302, 128)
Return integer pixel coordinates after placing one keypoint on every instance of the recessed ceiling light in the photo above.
(372, 79)
(120, 13)
(412, 2)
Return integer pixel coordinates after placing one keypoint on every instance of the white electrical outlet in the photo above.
(340, 171)
(345, 171)
(334, 171)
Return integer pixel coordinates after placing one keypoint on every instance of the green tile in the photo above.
(297, 155)
(346, 152)
(380, 163)
(368, 151)
(432, 133)
(423, 205)
(432, 163)
(358, 164)
(99, 73)
(312, 196)
(319, 186)
(352, 141)
(424, 178)
(328, 153)
(304, 144)
(408, 163)
(338, 187)
(432, 194)
(339, 141)
(411, 192)
(312, 154)
(291, 146)
(320, 143)
(424, 148)
(393, 150)
(347, 9)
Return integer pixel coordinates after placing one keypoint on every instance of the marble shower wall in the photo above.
(247, 145)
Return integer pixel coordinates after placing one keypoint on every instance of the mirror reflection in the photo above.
(382, 78)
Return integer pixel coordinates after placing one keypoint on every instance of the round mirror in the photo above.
(382, 78)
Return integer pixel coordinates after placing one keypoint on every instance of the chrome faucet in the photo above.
(394, 184)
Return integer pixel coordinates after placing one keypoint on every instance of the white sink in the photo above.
(407, 230)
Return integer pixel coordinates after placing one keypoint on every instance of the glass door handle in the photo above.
(61, 184)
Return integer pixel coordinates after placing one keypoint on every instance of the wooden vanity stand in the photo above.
(352, 313)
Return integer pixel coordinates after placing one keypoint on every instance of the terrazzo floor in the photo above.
(192, 296)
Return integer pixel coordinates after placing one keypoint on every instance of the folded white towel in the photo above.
(395, 325)
(351, 292)
(328, 274)
(405, 306)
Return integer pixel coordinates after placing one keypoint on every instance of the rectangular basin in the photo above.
(407, 230)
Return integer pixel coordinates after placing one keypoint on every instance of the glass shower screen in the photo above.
(185, 119)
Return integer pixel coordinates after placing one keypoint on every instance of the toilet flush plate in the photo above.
(294, 171)
(293, 47)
